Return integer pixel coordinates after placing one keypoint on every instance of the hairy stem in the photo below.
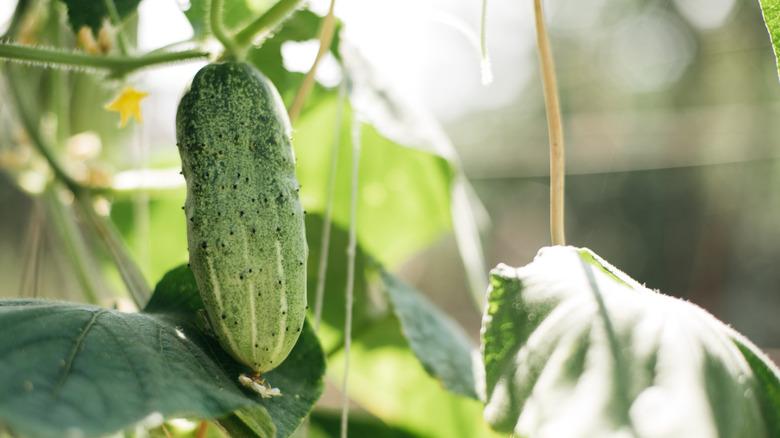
(328, 214)
(326, 38)
(116, 65)
(218, 29)
(265, 23)
(351, 253)
(554, 128)
(486, 69)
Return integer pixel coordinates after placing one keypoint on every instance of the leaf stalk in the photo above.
(554, 128)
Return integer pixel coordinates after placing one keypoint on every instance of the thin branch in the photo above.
(218, 29)
(486, 69)
(38, 142)
(116, 65)
(266, 22)
(351, 253)
(328, 215)
(116, 20)
(326, 38)
(554, 128)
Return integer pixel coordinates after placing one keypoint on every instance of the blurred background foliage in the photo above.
(672, 158)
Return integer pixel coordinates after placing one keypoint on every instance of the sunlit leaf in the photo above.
(574, 347)
(771, 11)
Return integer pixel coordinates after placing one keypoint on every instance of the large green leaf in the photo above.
(299, 377)
(771, 11)
(574, 347)
(93, 371)
(387, 380)
(437, 341)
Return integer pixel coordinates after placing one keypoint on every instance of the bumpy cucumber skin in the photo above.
(245, 224)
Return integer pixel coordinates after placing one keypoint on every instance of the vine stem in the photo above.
(326, 38)
(351, 253)
(327, 220)
(128, 270)
(554, 128)
(116, 65)
(218, 29)
(266, 22)
(485, 68)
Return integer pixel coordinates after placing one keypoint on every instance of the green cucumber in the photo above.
(245, 224)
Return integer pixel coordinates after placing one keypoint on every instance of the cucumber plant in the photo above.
(564, 335)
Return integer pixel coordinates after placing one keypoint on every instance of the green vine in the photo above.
(116, 66)
(265, 23)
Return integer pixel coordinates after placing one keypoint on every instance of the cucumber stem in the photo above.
(326, 38)
(554, 128)
(485, 68)
(266, 22)
(116, 65)
(218, 29)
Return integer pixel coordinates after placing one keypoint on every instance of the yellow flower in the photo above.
(127, 104)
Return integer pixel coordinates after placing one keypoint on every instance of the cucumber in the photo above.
(245, 224)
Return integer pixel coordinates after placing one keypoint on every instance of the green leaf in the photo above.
(386, 379)
(381, 344)
(368, 305)
(91, 13)
(249, 422)
(175, 293)
(93, 371)
(96, 371)
(393, 179)
(439, 343)
(574, 347)
(299, 377)
(771, 12)
(328, 424)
